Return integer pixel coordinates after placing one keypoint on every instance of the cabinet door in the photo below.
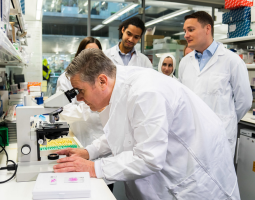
(246, 168)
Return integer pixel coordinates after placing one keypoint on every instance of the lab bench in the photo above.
(23, 190)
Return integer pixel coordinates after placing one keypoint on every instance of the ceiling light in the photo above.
(86, 3)
(119, 13)
(98, 27)
(153, 22)
(181, 33)
(103, 3)
(52, 5)
(56, 52)
(176, 14)
(110, 19)
(168, 16)
(73, 53)
(39, 9)
(126, 9)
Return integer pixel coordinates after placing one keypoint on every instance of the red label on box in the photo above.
(234, 4)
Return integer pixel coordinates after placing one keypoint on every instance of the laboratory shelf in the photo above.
(172, 47)
(238, 39)
(8, 54)
(16, 10)
(250, 66)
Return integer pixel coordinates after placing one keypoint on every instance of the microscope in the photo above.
(30, 162)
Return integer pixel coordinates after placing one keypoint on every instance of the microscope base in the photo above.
(28, 171)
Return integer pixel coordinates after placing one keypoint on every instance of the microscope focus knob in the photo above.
(25, 149)
(40, 141)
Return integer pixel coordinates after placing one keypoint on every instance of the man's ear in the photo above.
(103, 81)
(123, 30)
(208, 29)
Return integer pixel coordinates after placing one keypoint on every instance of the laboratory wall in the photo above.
(33, 72)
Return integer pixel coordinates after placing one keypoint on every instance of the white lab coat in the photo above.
(84, 123)
(63, 83)
(166, 142)
(161, 60)
(138, 59)
(223, 85)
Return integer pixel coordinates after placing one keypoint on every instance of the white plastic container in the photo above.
(14, 88)
(23, 86)
(70, 185)
(35, 94)
(35, 88)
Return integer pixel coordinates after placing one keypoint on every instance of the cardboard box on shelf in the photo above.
(234, 4)
(149, 38)
(237, 15)
(181, 42)
(150, 43)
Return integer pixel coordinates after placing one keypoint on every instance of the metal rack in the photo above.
(243, 41)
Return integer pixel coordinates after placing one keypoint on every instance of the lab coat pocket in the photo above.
(198, 186)
(217, 83)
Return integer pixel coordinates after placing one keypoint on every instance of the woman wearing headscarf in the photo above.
(167, 65)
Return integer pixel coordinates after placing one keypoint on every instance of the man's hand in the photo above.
(75, 164)
(70, 152)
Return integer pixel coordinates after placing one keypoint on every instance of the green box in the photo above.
(4, 134)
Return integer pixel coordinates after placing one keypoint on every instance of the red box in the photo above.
(234, 4)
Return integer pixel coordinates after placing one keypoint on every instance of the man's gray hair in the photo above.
(90, 63)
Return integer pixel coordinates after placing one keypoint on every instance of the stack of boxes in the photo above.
(148, 40)
(239, 17)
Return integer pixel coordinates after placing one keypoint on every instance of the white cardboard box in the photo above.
(62, 186)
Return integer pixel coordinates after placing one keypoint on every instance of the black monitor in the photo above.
(18, 78)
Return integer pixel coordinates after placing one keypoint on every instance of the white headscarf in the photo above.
(162, 58)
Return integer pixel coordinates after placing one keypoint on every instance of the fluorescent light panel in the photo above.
(110, 19)
(171, 15)
(181, 33)
(119, 13)
(153, 22)
(126, 10)
(174, 15)
(98, 27)
(86, 3)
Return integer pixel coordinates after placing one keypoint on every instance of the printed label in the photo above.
(53, 180)
(232, 28)
(74, 179)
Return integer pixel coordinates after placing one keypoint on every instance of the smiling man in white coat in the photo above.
(217, 75)
(167, 144)
(124, 53)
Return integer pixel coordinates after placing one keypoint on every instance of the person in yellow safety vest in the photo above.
(46, 70)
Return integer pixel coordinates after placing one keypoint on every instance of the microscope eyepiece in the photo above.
(70, 94)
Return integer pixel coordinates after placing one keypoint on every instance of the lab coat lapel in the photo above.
(194, 61)
(135, 61)
(116, 57)
(220, 51)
